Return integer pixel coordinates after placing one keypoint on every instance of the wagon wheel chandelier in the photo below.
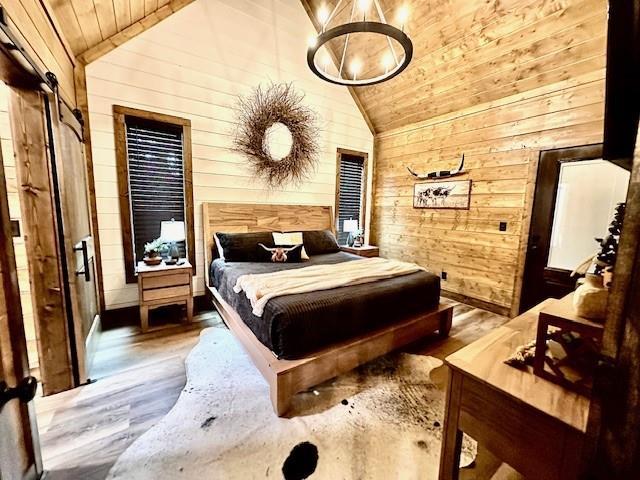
(392, 62)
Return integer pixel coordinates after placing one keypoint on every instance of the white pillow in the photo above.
(290, 238)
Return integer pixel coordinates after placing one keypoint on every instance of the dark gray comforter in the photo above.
(293, 326)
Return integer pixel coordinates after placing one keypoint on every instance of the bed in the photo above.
(303, 339)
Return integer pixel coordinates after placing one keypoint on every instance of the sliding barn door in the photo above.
(74, 211)
(19, 446)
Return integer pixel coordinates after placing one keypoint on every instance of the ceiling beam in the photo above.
(307, 6)
(133, 30)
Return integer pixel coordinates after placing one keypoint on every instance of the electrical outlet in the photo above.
(503, 226)
(443, 275)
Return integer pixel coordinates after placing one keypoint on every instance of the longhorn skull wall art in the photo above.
(439, 173)
(442, 194)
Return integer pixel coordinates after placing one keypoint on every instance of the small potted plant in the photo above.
(152, 252)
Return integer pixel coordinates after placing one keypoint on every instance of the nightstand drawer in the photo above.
(162, 281)
(162, 293)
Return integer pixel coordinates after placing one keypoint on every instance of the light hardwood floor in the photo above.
(138, 378)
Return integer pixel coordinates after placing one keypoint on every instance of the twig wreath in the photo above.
(264, 109)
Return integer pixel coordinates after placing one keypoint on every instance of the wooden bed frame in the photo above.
(288, 377)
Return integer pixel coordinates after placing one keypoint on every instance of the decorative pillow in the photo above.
(290, 238)
(317, 242)
(241, 247)
(281, 254)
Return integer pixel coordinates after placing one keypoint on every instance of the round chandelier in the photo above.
(345, 67)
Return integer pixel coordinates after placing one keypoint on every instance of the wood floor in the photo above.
(138, 378)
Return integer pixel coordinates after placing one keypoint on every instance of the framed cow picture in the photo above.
(443, 194)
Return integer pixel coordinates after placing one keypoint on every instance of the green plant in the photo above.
(153, 246)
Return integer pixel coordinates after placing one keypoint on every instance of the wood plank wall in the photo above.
(15, 214)
(558, 102)
(194, 64)
(41, 38)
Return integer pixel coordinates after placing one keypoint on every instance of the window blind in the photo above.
(349, 193)
(156, 179)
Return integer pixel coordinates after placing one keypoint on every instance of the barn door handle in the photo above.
(82, 247)
(24, 391)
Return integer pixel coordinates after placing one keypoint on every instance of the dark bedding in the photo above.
(293, 326)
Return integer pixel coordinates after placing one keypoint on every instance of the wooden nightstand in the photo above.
(363, 251)
(164, 285)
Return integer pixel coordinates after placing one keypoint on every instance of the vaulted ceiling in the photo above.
(86, 24)
(469, 52)
(466, 52)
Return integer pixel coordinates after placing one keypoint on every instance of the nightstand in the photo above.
(162, 285)
(363, 251)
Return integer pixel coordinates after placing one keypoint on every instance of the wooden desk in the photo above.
(534, 425)
(162, 285)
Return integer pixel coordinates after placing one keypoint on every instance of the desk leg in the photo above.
(144, 318)
(451, 434)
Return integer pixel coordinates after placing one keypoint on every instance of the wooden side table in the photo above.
(363, 251)
(536, 426)
(162, 285)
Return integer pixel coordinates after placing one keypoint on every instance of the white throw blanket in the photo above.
(262, 287)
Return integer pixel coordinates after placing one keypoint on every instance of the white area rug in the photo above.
(381, 421)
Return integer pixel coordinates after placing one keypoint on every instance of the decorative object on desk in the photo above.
(609, 246)
(172, 232)
(590, 298)
(523, 355)
(439, 173)
(351, 227)
(278, 134)
(567, 346)
(454, 194)
(152, 252)
(358, 240)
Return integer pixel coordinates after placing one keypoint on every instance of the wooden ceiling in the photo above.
(86, 24)
(468, 52)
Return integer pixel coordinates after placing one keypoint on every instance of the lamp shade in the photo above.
(350, 226)
(172, 231)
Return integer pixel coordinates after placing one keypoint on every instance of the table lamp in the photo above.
(172, 232)
(350, 226)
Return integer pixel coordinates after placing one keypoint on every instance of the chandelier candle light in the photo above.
(392, 61)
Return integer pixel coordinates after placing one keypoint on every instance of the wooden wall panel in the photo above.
(501, 141)
(194, 65)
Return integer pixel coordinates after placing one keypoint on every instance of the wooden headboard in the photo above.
(249, 217)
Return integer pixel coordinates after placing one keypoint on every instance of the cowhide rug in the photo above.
(380, 421)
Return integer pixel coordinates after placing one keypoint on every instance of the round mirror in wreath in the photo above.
(278, 141)
(278, 135)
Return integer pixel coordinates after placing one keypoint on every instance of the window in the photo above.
(153, 156)
(351, 187)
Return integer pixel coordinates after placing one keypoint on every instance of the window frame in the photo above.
(363, 201)
(122, 165)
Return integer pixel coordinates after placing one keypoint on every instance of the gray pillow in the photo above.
(317, 242)
(242, 247)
